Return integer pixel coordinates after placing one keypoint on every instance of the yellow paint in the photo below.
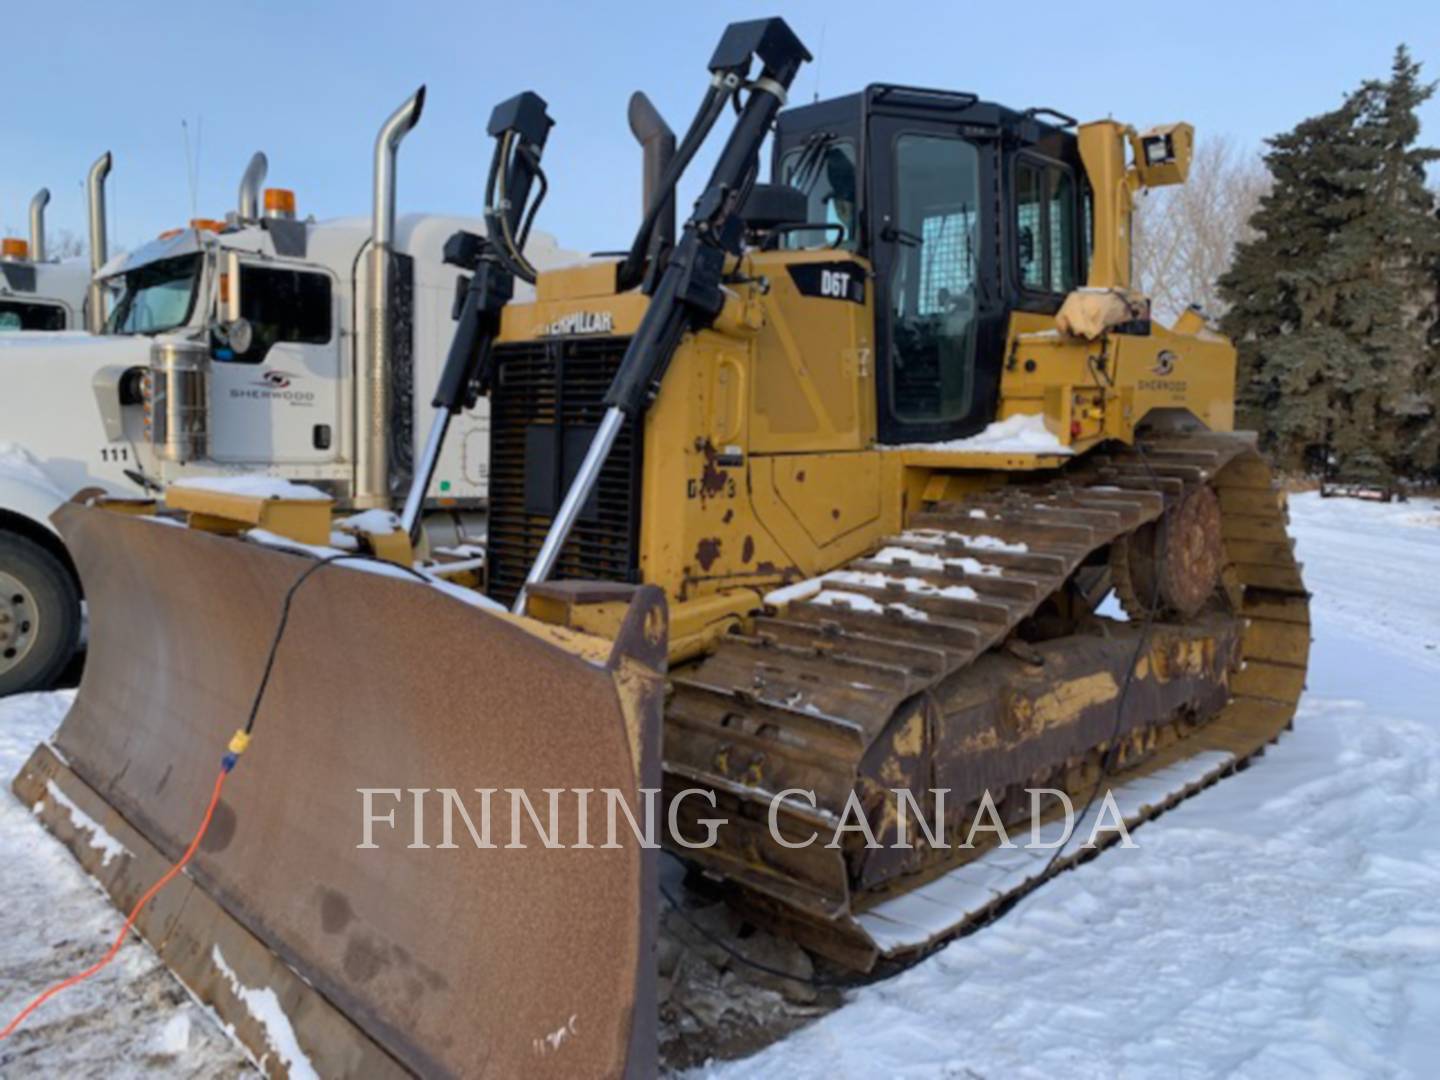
(304, 520)
(910, 739)
(1068, 700)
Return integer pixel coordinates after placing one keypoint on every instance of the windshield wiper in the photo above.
(812, 156)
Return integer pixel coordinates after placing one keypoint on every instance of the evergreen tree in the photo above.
(1333, 303)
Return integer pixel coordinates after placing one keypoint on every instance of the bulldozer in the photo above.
(873, 494)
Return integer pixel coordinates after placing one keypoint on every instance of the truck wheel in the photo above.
(39, 616)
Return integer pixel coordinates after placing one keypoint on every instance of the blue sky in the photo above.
(309, 83)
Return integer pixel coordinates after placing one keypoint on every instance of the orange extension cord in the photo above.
(135, 912)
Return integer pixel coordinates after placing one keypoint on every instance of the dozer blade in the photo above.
(323, 955)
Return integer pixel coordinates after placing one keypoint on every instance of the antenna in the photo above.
(819, 59)
(192, 162)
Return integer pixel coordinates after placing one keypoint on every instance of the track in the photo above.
(962, 655)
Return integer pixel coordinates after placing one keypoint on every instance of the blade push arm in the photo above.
(519, 127)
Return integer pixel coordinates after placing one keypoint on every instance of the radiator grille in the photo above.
(550, 393)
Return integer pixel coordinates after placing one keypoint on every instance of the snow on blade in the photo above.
(262, 487)
(1022, 434)
(377, 566)
(99, 839)
(263, 1004)
(370, 521)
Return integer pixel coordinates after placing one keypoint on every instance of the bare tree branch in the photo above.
(1185, 236)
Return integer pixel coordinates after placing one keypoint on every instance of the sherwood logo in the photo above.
(276, 384)
(1165, 362)
(580, 322)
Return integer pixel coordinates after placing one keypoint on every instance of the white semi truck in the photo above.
(266, 344)
(44, 294)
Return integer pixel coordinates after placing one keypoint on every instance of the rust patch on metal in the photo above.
(707, 551)
(712, 477)
(729, 516)
(747, 550)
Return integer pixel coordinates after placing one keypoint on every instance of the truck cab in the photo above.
(41, 295)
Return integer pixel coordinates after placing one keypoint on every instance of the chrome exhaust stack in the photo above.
(99, 246)
(372, 386)
(248, 201)
(37, 224)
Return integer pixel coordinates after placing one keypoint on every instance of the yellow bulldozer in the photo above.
(877, 481)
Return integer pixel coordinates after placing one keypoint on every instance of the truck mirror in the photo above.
(240, 335)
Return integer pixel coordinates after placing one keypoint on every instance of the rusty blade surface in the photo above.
(459, 961)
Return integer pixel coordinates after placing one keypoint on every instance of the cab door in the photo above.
(939, 320)
(278, 401)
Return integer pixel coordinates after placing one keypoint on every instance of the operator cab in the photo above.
(914, 181)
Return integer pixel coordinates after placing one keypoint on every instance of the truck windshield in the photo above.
(156, 297)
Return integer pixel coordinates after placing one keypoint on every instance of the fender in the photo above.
(26, 489)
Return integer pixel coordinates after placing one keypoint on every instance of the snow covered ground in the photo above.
(133, 1018)
(1283, 923)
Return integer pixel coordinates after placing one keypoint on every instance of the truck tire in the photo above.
(39, 616)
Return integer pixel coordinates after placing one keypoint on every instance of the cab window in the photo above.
(932, 285)
(19, 315)
(824, 169)
(283, 305)
(1045, 226)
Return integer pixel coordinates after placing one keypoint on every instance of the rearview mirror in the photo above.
(240, 335)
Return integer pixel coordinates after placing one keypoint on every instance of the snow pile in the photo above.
(18, 463)
(1022, 434)
(261, 487)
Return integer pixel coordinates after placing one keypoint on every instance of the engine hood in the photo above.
(63, 407)
(73, 347)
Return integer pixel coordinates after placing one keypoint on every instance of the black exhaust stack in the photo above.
(657, 142)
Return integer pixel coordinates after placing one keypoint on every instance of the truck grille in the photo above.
(546, 405)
